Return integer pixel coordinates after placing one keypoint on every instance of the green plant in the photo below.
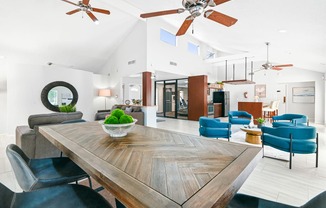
(260, 120)
(67, 108)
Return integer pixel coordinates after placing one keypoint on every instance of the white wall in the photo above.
(25, 83)
(159, 54)
(3, 96)
(132, 48)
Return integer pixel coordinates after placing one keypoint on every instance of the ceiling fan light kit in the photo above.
(84, 6)
(196, 8)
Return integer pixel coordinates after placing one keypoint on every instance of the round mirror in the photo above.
(58, 94)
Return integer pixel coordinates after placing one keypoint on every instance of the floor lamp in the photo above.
(104, 93)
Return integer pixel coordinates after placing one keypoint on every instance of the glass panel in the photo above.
(192, 48)
(159, 99)
(182, 105)
(169, 97)
(167, 37)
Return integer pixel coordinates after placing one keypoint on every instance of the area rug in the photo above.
(239, 136)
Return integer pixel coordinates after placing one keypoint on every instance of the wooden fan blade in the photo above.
(69, 2)
(220, 18)
(185, 25)
(217, 2)
(91, 15)
(283, 65)
(103, 11)
(73, 11)
(277, 68)
(160, 13)
(86, 2)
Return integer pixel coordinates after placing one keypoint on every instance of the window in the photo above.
(192, 48)
(167, 37)
(209, 55)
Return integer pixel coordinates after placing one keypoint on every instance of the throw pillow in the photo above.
(128, 109)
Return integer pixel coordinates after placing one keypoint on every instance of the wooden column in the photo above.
(197, 97)
(147, 89)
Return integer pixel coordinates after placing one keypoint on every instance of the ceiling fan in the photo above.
(196, 8)
(269, 66)
(86, 7)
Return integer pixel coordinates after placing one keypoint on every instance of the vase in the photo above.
(259, 125)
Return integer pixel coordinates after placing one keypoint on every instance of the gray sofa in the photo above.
(134, 111)
(34, 144)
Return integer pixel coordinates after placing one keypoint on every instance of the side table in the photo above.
(252, 135)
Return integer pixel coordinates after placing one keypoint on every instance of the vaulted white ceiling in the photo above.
(43, 29)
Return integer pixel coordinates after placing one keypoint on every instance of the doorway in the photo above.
(171, 98)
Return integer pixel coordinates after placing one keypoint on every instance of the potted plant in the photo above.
(220, 86)
(260, 121)
(67, 108)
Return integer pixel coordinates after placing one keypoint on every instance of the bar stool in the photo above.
(271, 110)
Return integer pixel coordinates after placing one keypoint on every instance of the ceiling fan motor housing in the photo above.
(195, 7)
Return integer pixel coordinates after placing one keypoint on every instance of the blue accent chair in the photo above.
(290, 120)
(300, 140)
(239, 117)
(245, 201)
(214, 128)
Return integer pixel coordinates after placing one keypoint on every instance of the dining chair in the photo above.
(63, 196)
(33, 174)
(246, 201)
(271, 110)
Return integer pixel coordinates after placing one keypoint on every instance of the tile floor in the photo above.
(271, 179)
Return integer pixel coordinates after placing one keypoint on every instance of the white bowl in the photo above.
(118, 130)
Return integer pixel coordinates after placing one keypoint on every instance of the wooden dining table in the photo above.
(152, 167)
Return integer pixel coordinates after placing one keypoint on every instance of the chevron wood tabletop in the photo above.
(152, 167)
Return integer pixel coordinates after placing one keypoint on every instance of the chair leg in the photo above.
(291, 151)
(90, 182)
(317, 150)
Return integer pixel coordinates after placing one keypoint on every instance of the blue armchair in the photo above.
(300, 140)
(214, 128)
(239, 117)
(290, 120)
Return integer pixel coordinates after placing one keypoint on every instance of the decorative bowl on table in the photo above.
(118, 130)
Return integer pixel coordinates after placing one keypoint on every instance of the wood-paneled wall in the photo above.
(147, 89)
(197, 97)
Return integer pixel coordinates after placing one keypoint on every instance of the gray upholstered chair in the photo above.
(33, 174)
(64, 196)
(246, 201)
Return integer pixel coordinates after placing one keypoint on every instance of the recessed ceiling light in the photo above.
(282, 31)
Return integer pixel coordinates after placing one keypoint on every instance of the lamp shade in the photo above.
(104, 92)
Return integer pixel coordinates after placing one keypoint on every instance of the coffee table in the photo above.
(252, 135)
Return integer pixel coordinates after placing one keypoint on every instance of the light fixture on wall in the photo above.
(104, 93)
